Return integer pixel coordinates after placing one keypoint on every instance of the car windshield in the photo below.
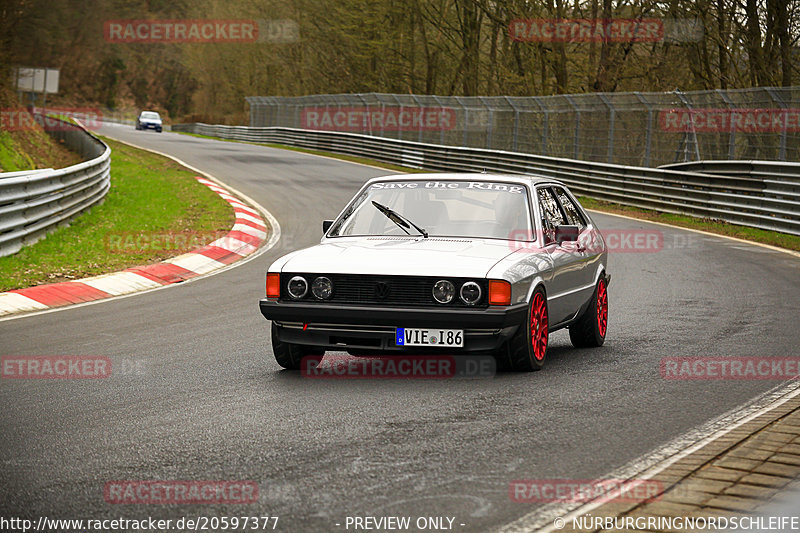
(150, 114)
(477, 209)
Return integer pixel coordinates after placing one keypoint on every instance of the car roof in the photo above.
(524, 179)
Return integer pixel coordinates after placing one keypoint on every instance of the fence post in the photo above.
(419, 108)
(465, 122)
(368, 125)
(491, 122)
(576, 138)
(399, 131)
(545, 125)
(780, 102)
(732, 134)
(649, 131)
(441, 130)
(686, 136)
(611, 117)
(516, 124)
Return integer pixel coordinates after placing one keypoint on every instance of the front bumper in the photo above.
(370, 328)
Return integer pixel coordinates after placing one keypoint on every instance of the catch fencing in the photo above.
(640, 129)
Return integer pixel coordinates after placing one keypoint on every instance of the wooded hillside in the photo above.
(446, 47)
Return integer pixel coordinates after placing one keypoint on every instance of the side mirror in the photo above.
(567, 233)
(326, 225)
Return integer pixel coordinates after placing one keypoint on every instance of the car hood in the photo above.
(435, 256)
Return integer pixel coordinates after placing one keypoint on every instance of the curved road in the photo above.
(196, 393)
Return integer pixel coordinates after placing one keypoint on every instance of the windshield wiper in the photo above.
(399, 219)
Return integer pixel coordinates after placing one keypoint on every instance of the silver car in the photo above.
(434, 263)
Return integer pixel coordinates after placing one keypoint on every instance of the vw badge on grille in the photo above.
(382, 290)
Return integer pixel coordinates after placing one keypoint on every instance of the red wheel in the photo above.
(590, 329)
(527, 349)
(538, 326)
(602, 307)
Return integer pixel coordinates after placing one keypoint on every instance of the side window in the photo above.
(551, 214)
(573, 215)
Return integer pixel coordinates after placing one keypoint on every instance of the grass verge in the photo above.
(773, 238)
(154, 210)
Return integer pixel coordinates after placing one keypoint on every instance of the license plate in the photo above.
(446, 338)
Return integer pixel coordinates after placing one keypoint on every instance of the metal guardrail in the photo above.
(34, 203)
(747, 200)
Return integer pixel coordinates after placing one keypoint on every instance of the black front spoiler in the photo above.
(371, 328)
(493, 317)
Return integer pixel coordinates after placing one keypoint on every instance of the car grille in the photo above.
(385, 290)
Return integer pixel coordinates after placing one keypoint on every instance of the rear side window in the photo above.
(552, 215)
(570, 209)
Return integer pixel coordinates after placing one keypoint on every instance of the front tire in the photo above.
(526, 350)
(589, 331)
(290, 356)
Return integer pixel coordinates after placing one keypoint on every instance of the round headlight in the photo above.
(444, 291)
(322, 288)
(470, 293)
(298, 287)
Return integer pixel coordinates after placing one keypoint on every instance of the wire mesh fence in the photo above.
(642, 129)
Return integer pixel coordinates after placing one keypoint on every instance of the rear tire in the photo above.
(290, 356)
(526, 350)
(590, 329)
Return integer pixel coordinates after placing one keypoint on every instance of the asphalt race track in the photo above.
(199, 396)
